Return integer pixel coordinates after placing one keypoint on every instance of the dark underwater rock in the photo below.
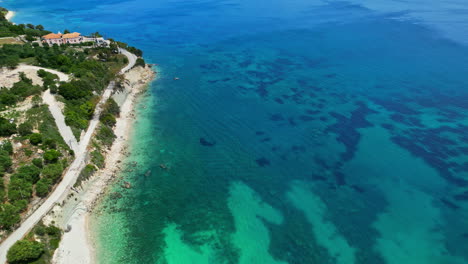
(207, 143)
(262, 162)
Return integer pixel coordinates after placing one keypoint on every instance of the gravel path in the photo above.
(65, 131)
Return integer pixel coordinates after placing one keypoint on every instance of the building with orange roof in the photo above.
(69, 38)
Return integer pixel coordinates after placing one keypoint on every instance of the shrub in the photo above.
(111, 107)
(9, 216)
(5, 162)
(6, 146)
(53, 231)
(19, 189)
(25, 251)
(43, 187)
(38, 163)
(108, 120)
(140, 62)
(6, 128)
(40, 230)
(29, 172)
(87, 172)
(97, 158)
(52, 171)
(50, 143)
(35, 138)
(105, 135)
(25, 129)
(51, 156)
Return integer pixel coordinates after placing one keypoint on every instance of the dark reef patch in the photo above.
(276, 117)
(449, 204)
(462, 196)
(279, 100)
(358, 188)
(207, 143)
(262, 162)
(346, 128)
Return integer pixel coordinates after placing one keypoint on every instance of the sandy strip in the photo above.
(9, 77)
(9, 15)
(77, 246)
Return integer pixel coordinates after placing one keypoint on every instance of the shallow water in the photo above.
(298, 132)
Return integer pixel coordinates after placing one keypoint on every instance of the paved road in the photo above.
(131, 60)
(63, 188)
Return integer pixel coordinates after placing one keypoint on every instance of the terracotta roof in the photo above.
(52, 36)
(71, 35)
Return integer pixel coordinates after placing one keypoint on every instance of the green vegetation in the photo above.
(33, 177)
(97, 158)
(51, 156)
(41, 119)
(25, 251)
(35, 138)
(140, 62)
(5, 162)
(52, 171)
(105, 135)
(87, 172)
(40, 153)
(8, 29)
(6, 128)
(8, 216)
(29, 250)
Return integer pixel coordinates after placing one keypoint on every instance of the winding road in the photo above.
(63, 188)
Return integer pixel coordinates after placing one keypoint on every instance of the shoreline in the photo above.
(10, 15)
(77, 246)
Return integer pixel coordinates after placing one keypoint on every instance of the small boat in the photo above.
(176, 78)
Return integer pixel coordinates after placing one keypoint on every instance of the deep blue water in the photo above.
(299, 131)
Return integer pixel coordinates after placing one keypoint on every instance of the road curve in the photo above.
(131, 60)
(63, 188)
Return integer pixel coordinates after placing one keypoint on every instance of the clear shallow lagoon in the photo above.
(299, 131)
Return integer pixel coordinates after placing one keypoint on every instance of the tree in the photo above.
(9, 216)
(6, 146)
(51, 156)
(66, 31)
(35, 138)
(6, 128)
(38, 163)
(5, 162)
(30, 38)
(108, 119)
(111, 107)
(28, 172)
(43, 187)
(25, 129)
(40, 27)
(25, 251)
(140, 62)
(52, 171)
(19, 189)
(74, 90)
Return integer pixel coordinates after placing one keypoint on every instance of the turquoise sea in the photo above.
(300, 132)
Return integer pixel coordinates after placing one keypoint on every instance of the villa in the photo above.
(69, 38)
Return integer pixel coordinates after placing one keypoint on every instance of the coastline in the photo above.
(77, 245)
(9, 15)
